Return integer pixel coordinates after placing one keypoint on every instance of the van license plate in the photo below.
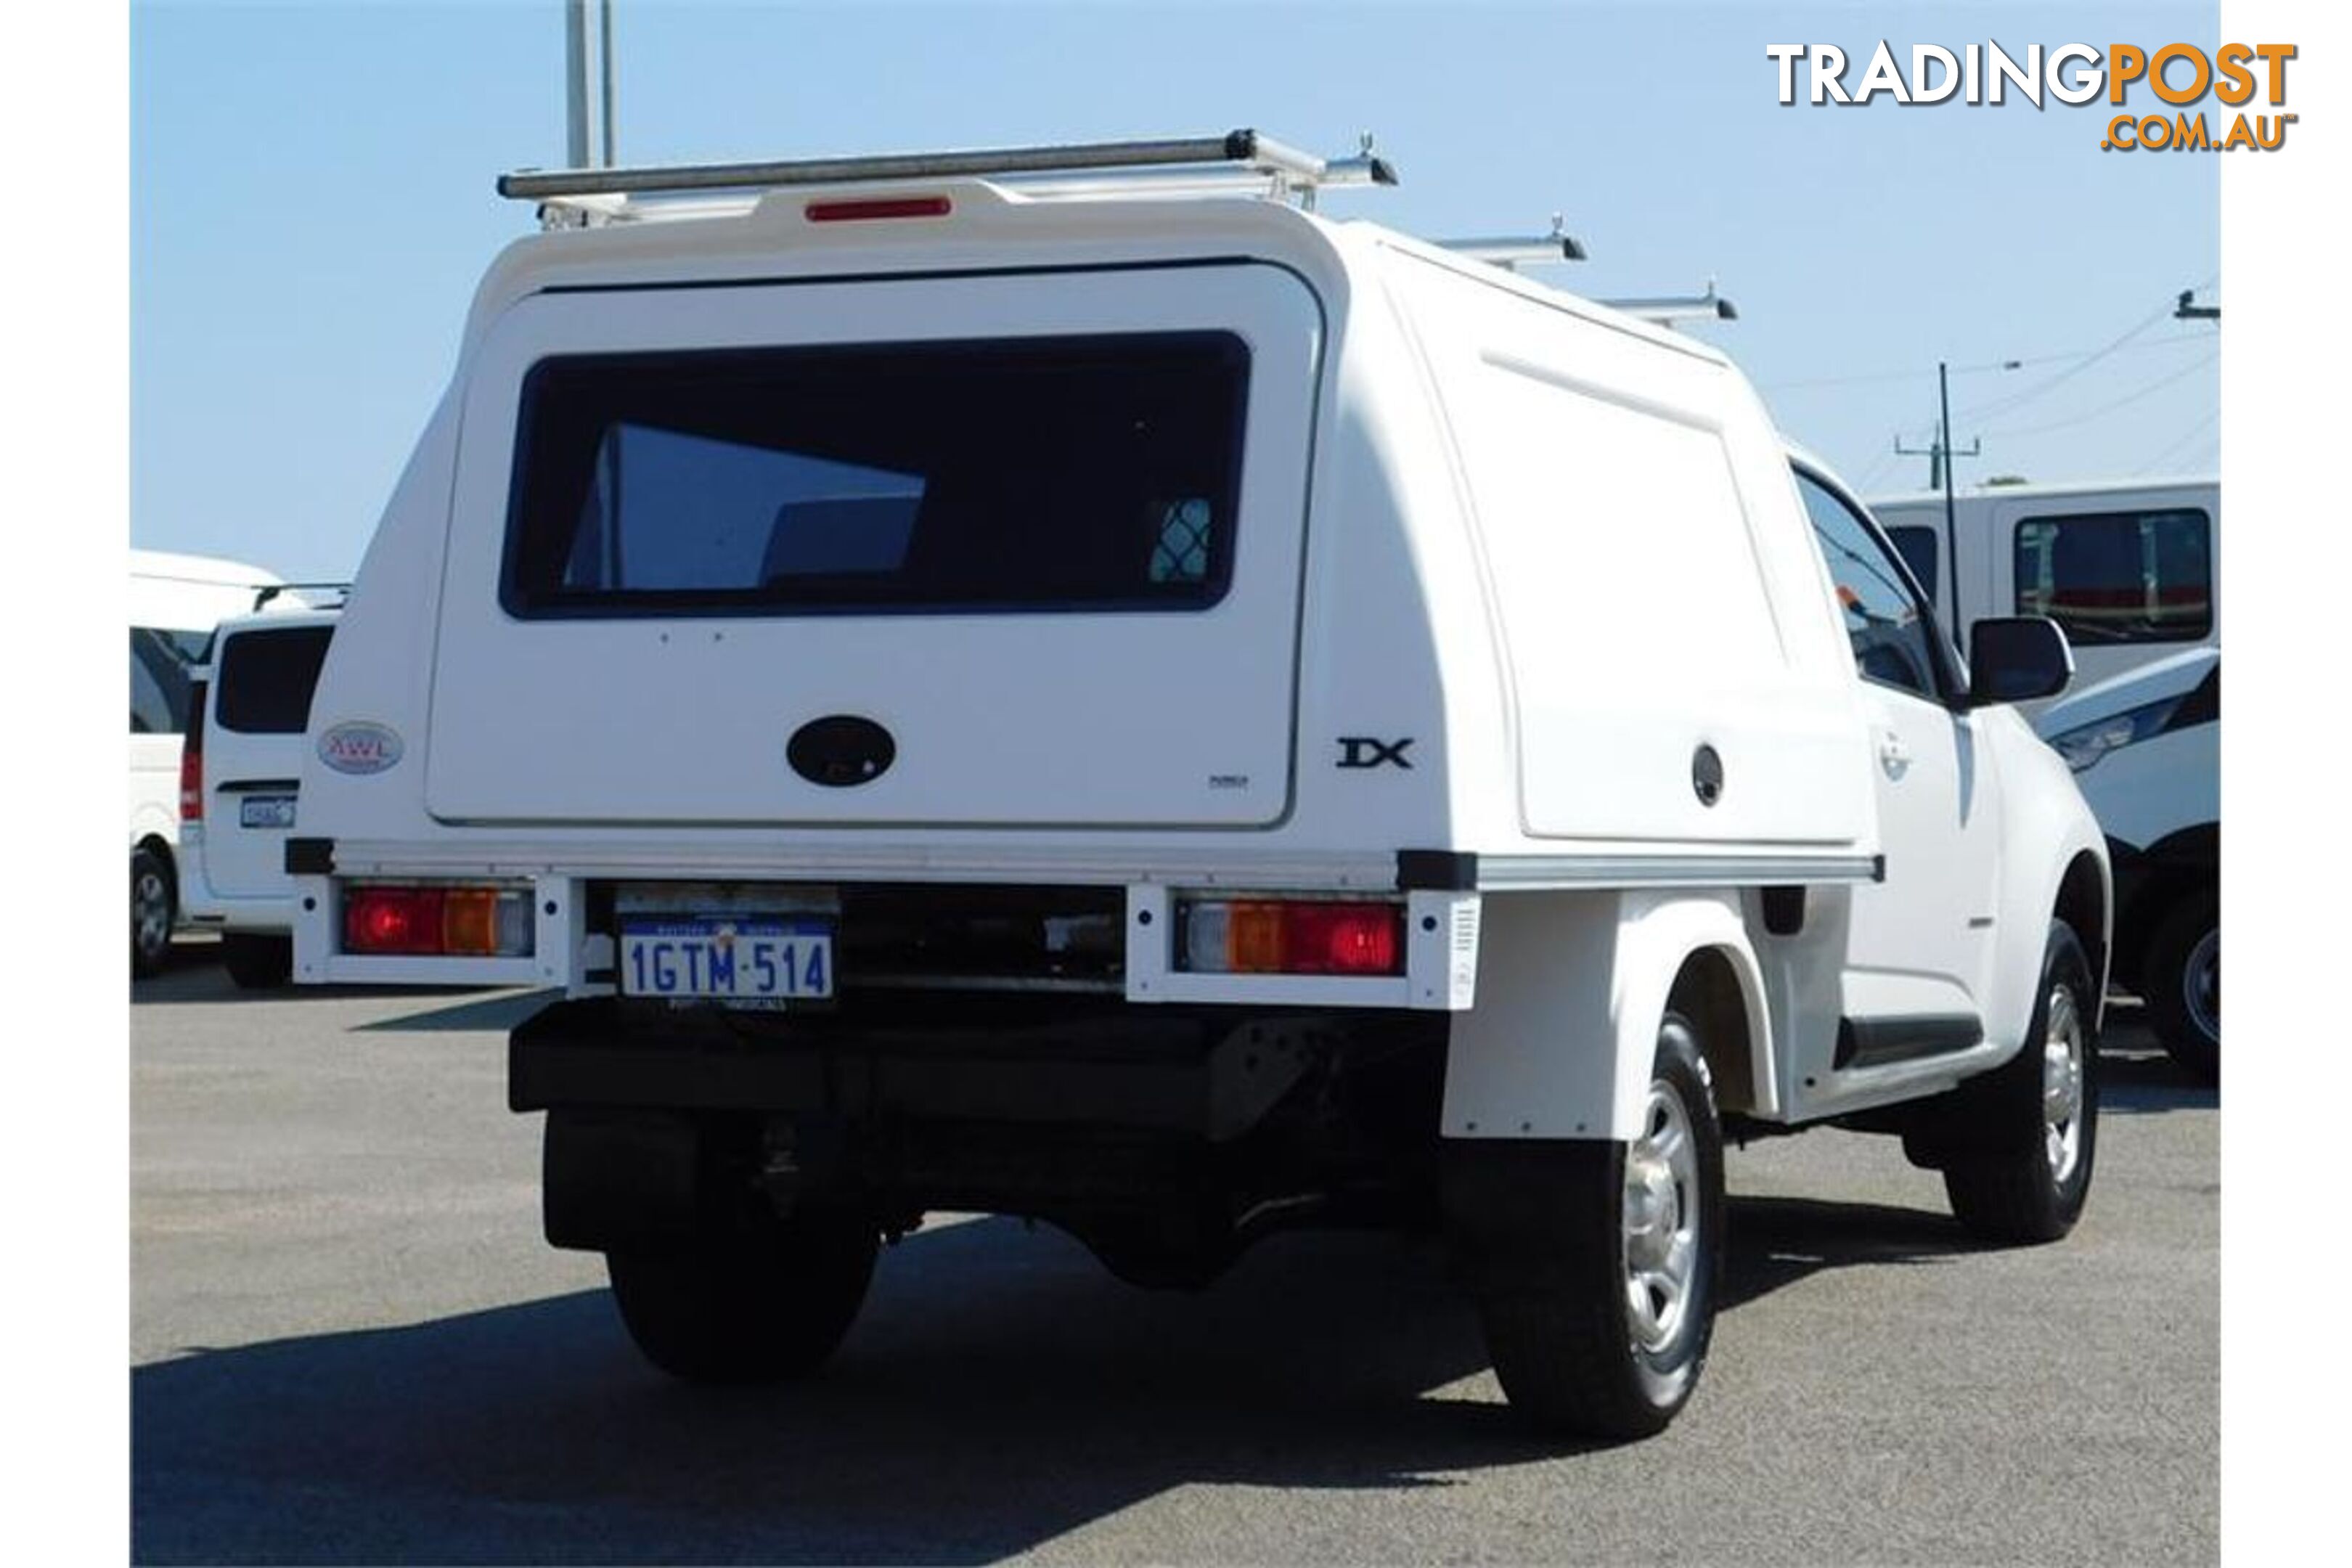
(266, 811)
(726, 958)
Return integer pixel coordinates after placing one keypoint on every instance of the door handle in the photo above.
(1893, 754)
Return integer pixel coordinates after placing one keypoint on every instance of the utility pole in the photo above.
(1940, 457)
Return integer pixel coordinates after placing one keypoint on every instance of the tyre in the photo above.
(2182, 981)
(155, 910)
(756, 1301)
(256, 960)
(2025, 1171)
(1596, 1266)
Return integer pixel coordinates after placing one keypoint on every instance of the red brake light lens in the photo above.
(192, 758)
(392, 920)
(877, 207)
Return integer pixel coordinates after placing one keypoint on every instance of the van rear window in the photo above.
(266, 679)
(1049, 474)
(2119, 576)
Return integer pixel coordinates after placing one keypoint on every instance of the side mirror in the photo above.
(2017, 659)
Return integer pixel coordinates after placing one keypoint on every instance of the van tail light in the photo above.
(191, 757)
(1291, 936)
(417, 920)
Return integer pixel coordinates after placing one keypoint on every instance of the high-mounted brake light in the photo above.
(419, 920)
(877, 207)
(192, 758)
(1291, 936)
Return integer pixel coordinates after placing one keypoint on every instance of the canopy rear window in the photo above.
(1051, 474)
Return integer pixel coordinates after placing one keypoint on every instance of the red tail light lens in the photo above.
(391, 919)
(1291, 936)
(192, 758)
(1343, 939)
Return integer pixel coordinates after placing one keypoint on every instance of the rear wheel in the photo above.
(2183, 977)
(256, 960)
(1596, 1265)
(2035, 1122)
(757, 1300)
(155, 910)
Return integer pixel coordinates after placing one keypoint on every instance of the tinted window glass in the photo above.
(1916, 545)
(266, 679)
(160, 662)
(1890, 632)
(2119, 576)
(1055, 474)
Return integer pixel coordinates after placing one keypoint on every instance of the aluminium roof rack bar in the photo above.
(1248, 150)
(1508, 253)
(1666, 309)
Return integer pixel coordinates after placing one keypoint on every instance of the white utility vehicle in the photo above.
(2145, 747)
(2129, 568)
(1175, 717)
(244, 765)
(175, 600)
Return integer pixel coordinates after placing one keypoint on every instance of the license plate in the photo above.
(726, 958)
(266, 811)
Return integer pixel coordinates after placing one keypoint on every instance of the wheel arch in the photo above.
(1571, 989)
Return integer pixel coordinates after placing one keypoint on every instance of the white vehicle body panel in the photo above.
(2147, 789)
(1004, 715)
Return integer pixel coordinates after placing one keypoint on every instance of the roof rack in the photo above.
(1666, 309)
(270, 591)
(1507, 253)
(1238, 161)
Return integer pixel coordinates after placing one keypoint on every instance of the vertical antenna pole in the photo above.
(575, 83)
(605, 59)
(1951, 519)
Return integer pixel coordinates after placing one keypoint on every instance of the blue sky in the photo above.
(312, 202)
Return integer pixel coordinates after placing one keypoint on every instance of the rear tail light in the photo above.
(1291, 936)
(191, 757)
(424, 921)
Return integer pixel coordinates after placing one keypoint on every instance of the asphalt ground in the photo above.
(350, 1344)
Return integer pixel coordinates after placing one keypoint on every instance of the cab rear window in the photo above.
(266, 679)
(1052, 474)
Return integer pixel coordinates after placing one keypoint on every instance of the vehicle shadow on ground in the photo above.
(998, 1391)
(194, 974)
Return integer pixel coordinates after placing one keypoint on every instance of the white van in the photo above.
(1176, 717)
(175, 600)
(244, 749)
(2130, 568)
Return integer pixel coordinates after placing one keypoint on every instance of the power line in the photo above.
(2103, 410)
(2017, 400)
(2173, 448)
(1869, 377)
